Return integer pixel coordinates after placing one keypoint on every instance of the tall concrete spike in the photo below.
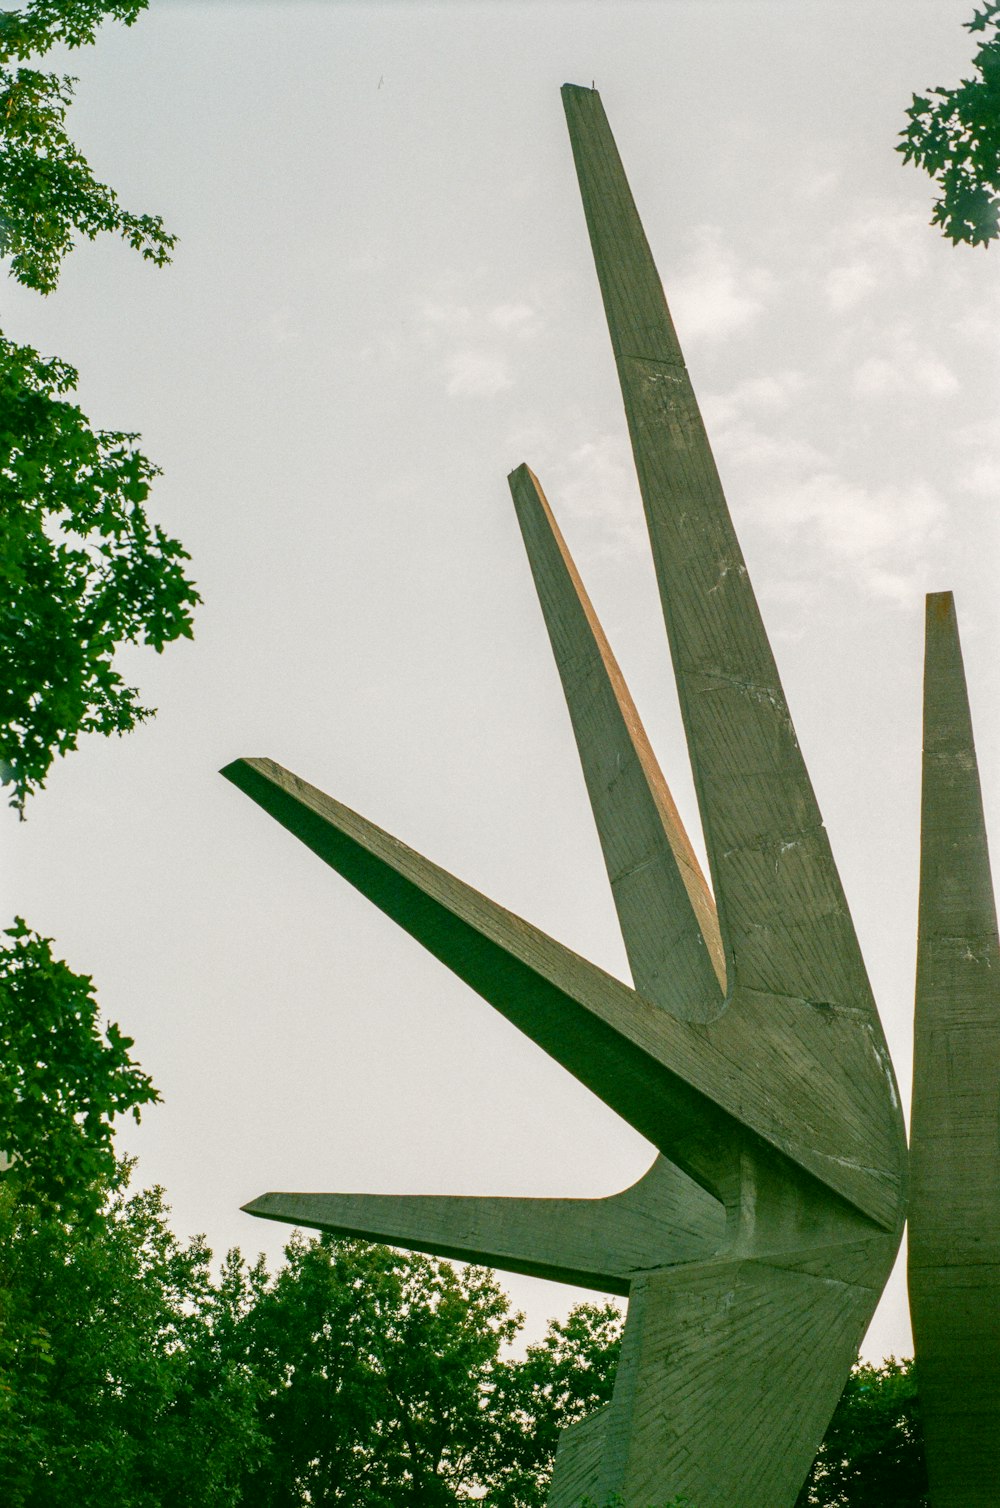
(665, 909)
(954, 1242)
(781, 908)
(783, 1106)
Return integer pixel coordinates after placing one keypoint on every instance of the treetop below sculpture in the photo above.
(748, 1051)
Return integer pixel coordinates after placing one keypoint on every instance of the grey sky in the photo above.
(382, 301)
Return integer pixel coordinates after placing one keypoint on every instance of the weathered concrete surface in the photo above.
(954, 1240)
(749, 1052)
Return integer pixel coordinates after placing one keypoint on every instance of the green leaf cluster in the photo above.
(62, 1080)
(954, 134)
(873, 1452)
(82, 570)
(561, 1379)
(48, 193)
(117, 1389)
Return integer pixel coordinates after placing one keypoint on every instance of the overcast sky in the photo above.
(382, 300)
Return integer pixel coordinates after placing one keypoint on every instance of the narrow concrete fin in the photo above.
(657, 1073)
(954, 1242)
(782, 913)
(957, 902)
(688, 1087)
(593, 1243)
(665, 908)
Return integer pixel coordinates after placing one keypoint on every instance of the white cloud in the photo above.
(438, 316)
(281, 325)
(877, 377)
(519, 319)
(982, 478)
(475, 374)
(846, 286)
(770, 395)
(875, 251)
(597, 482)
(881, 536)
(713, 295)
(472, 340)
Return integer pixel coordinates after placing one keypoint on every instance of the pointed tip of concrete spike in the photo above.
(257, 1206)
(578, 89)
(245, 762)
(940, 605)
(523, 469)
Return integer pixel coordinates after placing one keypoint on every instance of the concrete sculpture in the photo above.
(749, 1051)
(954, 1238)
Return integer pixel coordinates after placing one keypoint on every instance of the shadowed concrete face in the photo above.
(954, 1241)
(749, 1051)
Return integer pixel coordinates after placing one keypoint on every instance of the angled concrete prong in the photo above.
(696, 1091)
(781, 908)
(954, 1242)
(595, 1243)
(665, 909)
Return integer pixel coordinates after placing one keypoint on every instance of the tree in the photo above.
(62, 1081)
(114, 1390)
(83, 570)
(375, 1370)
(872, 1453)
(568, 1374)
(47, 189)
(954, 134)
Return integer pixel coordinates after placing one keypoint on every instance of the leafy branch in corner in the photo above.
(954, 135)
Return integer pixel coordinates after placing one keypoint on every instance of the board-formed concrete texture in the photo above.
(749, 1051)
(954, 1239)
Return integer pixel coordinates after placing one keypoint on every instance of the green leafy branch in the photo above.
(62, 1080)
(82, 571)
(48, 193)
(954, 135)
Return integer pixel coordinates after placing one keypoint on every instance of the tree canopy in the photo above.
(83, 570)
(954, 134)
(133, 1376)
(62, 1079)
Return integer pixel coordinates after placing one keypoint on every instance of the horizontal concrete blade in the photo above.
(594, 1243)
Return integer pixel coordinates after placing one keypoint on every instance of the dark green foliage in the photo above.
(115, 1388)
(48, 194)
(82, 570)
(954, 134)
(873, 1453)
(375, 1369)
(567, 1375)
(39, 24)
(62, 1081)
